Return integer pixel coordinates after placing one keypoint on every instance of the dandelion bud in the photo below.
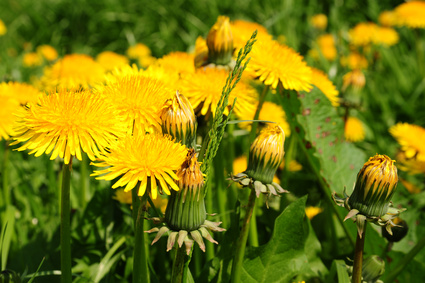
(375, 185)
(220, 42)
(355, 78)
(266, 154)
(179, 120)
(373, 267)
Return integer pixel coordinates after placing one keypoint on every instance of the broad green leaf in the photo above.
(339, 272)
(283, 257)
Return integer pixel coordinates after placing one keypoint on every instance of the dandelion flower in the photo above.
(150, 158)
(142, 53)
(3, 28)
(273, 63)
(312, 211)
(111, 60)
(319, 21)
(322, 82)
(269, 112)
(411, 139)
(67, 122)
(204, 87)
(179, 62)
(387, 18)
(411, 14)
(326, 43)
(32, 59)
(21, 92)
(201, 52)
(354, 60)
(139, 100)
(242, 31)
(385, 36)
(47, 52)
(73, 71)
(354, 130)
(362, 34)
(355, 78)
(7, 118)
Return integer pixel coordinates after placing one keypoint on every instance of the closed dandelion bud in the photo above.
(373, 267)
(266, 154)
(186, 207)
(375, 185)
(179, 120)
(220, 42)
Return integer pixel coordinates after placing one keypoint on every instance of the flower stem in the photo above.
(140, 264)
(405, 261)
(241, 243)
(66, 264)
(85, 181)
(5, 201)
(180, 266)
(358, 257)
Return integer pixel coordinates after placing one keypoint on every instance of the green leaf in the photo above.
(284, 257)
(339, 270)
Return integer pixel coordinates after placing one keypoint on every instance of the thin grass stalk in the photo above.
(241, 242)
(5, 202)
(358, 256)
(140, 263)
(85, 181)
(220, 186)
(210, 253)
(65, 231)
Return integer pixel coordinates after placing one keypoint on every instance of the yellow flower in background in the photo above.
(150, 158)
(204, 87)
(142, 53)
(73, 71)
(327, 47)
(272, 63)
(322, 82)
(220, 42)
(111, 60)
(410, 165)
(32, 59)
(66, 123)
(386, 36)
(355, 78)
(178, 62)
(319, 21)
(47, 52)
(354, 130)
(126, 197)
(242, 31)
(21, 92)
(354, 61)
(269, 112)
(312, 211)
(411, 14)
(7, 116)
(387, 18)
(3, 28)
(411, 139)
(138, 99)
(362, 34)
(201, 52)
(410, 187)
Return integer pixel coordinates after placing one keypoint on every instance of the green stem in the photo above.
(241, 242)
(180, 266)
(209, 205)
(85, 181)
(257, 114)
(419, 50)
(220, 187)
(5, 177)
(157, 211)
(140, 263)
(405, 261)
(358, 257)
(66, 264)
(253, 232)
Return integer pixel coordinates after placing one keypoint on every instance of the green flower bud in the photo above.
(375, 185)
(373, 267)
(179, 120)
(220, 42)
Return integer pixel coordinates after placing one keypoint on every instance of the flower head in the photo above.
(7, 117)
(177, 62)
(204, 87)
(220, 42)
(242, 31)
(326, 43)
(73, 71)
(322, 82)
(21, 92)
(354, 61)
(48, 52)
(273, 63)
(411, 14)
(362, 34)
(387, 18)
(3, 28)
(355, 78)
(32, 59)
(150, 158)
(111, 60)
(354, 130)
(142, 53)
(66, 123)
(179, 120)
(319, 21)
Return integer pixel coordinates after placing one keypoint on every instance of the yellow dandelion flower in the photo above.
(73, 71)
(272, 63)
(355, 78)
(150, 158)
(242, 31)
(411, 14)
(179, 62)
(322, 82)
(67, 122)
(312, 211)
(411, 139)
(123, 196)
(201, 52)
(386, 36)
(326, 43)
(47, 52)
(387, 18)
(269, 112)
(411, 165)
(354, 60)
(204, 87)
(354, 130)
(21, 92)
(3, 28)
(319, 21)
(362, 34)
(410, 187)
(111, 60)
(31, 59)
(138, 99)
(142, 53)
(7, 116)
(123, 71)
